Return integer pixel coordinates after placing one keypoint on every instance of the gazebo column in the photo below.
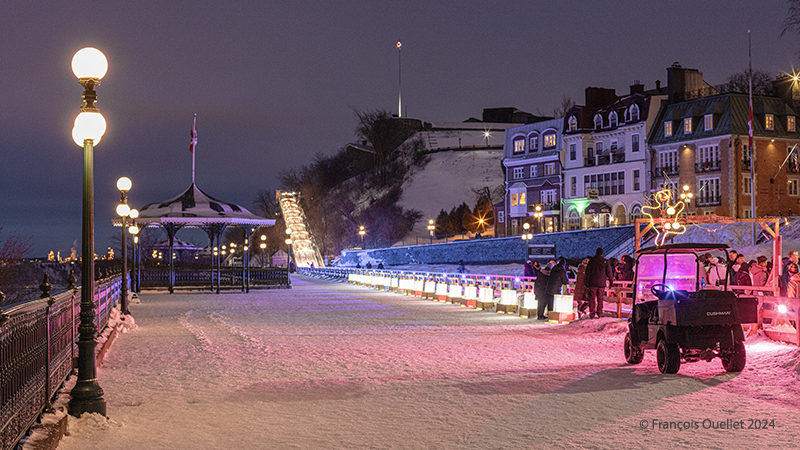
(246, 279)
(210, 233)
(171, 230)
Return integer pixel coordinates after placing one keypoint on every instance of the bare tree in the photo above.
(562, 109)
(12, 249)
(792, 21)
(740, 82)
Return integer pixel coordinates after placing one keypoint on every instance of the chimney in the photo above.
(637, 87)
(658, 85)
(681, 82)
(599, 97)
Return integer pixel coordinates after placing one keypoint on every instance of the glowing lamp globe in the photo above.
(89, 62)
(88, 125)
(134, 214)
(124, 184)
(133, 229)
(123, 210)
(782, 309)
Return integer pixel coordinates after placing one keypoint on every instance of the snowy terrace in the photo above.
(327, 365)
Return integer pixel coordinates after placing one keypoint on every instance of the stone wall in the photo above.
(570, 244)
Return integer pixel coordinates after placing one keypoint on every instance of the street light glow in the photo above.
(124, 184)
(89, 62)
(88, 125)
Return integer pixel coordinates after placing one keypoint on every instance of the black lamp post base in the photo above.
(87, 397)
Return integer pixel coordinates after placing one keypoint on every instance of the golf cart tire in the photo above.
(633, 354)
(668, 357)
(735, 361)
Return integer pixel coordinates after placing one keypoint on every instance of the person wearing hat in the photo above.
(598, 274)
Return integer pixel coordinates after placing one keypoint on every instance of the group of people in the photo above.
(593, 276)
(756, 272)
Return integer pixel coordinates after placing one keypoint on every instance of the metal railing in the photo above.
(37, 348)
(202, 278)
(707, 166)
(669, 170)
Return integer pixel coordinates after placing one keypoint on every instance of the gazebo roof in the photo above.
(194, 207)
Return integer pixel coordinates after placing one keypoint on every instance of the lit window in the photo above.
(519, 145)
(790, 124)
(769, 122)
(635, 143)
(708, 123)
(550, 169)
(550, 141)
(522, 199)
(518, 172)
(668, 129)
(687, 125)
(534, 143)
(792, 187)
(514, 199)
(598, 122)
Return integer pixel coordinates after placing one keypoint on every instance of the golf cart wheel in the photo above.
(633, 354)
(668, 357)
(735, 360)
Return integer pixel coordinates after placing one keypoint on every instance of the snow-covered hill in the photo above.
(449, 179)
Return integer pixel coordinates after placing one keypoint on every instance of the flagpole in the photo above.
(194, 142)
(399, 83)
(750, 138)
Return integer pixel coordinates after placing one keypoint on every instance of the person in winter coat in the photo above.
(540, 292)
(558, 278)
(528, 269)
(758, 271)
(793, 285)
(579, 294)
(598, 276)
(784, 280)
(742, 277)
(716, 272)
(625, 269)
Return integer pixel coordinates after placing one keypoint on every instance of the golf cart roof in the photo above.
(684, 248)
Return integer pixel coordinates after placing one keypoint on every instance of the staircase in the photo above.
(304, 252)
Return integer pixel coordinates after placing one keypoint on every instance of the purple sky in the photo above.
(273, 83)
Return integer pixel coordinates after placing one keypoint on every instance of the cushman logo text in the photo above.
(718, 313)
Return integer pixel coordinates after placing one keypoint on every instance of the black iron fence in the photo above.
(195, 277)
(37, 349)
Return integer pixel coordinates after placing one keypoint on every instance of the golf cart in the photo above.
(678, 316)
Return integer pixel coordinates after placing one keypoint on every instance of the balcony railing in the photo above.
(746, 165)
(618, 158)
(709, 200)
(603, 160)
(590, 162)
(707, 166)
(669, 170)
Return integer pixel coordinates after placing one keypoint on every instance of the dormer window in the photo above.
(519, 145)
(708, 123)
(687, 125)
(573, 124)
(790, 126)
(769, 122)
(667, 129)
(612, 119)
(634, 113)
(534, 140)
(549, 140)
(598, 122)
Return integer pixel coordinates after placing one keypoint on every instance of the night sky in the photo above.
(274, 83)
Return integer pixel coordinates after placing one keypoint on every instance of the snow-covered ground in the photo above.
(328, 366)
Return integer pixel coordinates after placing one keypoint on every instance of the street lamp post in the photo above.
(431, 227)
(263, 246)
(89, 65)
(124, 211)
(289, 252)
(538, 214)
(134, 231)
(526, 236)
